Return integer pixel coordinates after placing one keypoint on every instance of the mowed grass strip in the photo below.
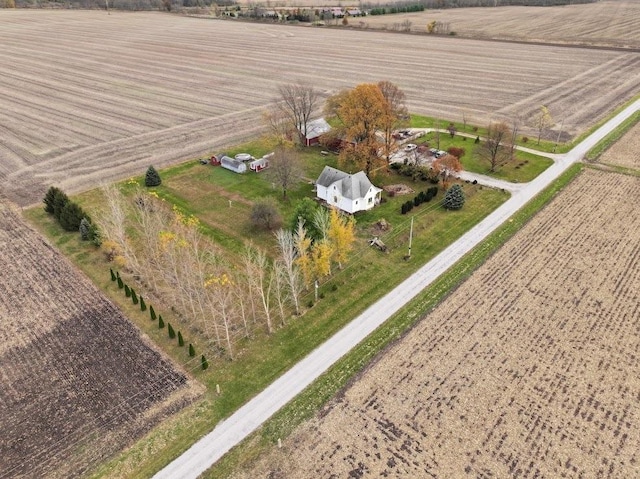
(339, 375)
(366, 277)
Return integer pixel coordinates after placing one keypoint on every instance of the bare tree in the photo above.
(285, 169)
(298, 101)
(542, 121)
(494, 149)
(321, 220)
(279, 124)
(288, 256)
(261, 278)
(113, 224)
(398, 114)
(516, 121)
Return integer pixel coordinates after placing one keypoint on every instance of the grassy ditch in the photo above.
(616, 134)
(338, 376)
(205, 191)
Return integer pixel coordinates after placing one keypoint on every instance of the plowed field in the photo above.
(530, 369)
(87, 97)
(626, 151)
(605, 23)
(77, 380)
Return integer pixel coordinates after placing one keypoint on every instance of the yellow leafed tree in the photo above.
(321, 258)
(302, 245)
(341, 235)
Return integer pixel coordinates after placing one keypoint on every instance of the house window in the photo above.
(356, 202)
(335, 199)
(370, 200)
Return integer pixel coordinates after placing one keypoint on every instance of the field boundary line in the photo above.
(231, 431)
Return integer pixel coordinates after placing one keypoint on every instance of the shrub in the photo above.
(417, 201)
(49, 199)
(134, 296)
(192, 351)
(265, 215)
(127, 291)
(94, 235)
(334, 287)
(152, 178)
(143, 306)
(475, 128)
(84, 229)
(395, 166)
(525, 139)
(456, 151)
(204, 363)
(170, 330)
(180, 339)
(477, 140)
(113, 276)
(70, 216)
(152, 312)
(160, 322)
(60, 200)
(454, 199)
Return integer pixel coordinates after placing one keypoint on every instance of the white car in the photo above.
(410, 147)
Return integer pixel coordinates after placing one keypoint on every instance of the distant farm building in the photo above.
(347, 192)
(315, 129)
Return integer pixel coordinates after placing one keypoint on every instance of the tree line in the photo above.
(227, 298)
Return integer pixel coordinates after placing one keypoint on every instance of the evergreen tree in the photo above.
(143, 306)
(134, 296)
(94, 235)
(170, 330)
(120, 283)
(113, 276)
(180, 339)
(127, 291)
(70, 216)
(84, 229)
(152, 313)
(49, 199)
(160, 322)
(192, 350)
(152, 178)
(60, 199)
(454, 198)
(204, 362)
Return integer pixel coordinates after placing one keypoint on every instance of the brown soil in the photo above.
(78, 381)
(115, 93)
(529, 369)
(626, 151)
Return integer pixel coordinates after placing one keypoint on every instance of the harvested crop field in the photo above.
(606, 23)
(78, 381)
(89, 97)
(529, 369)
(626, 151)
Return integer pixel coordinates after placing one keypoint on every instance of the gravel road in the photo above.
(230, 432)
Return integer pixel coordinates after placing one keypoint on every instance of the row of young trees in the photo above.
(70, 215)
(227, 299)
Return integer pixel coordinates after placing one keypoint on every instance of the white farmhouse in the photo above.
(347, 192)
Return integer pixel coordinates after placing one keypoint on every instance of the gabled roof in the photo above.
(316, 128)
(351, 186)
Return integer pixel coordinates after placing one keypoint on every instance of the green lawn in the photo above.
(205, 191)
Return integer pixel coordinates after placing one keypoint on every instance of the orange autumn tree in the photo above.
(446, 166)
(362, 112)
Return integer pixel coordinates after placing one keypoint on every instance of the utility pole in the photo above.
(410, 238)
(558, 139)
